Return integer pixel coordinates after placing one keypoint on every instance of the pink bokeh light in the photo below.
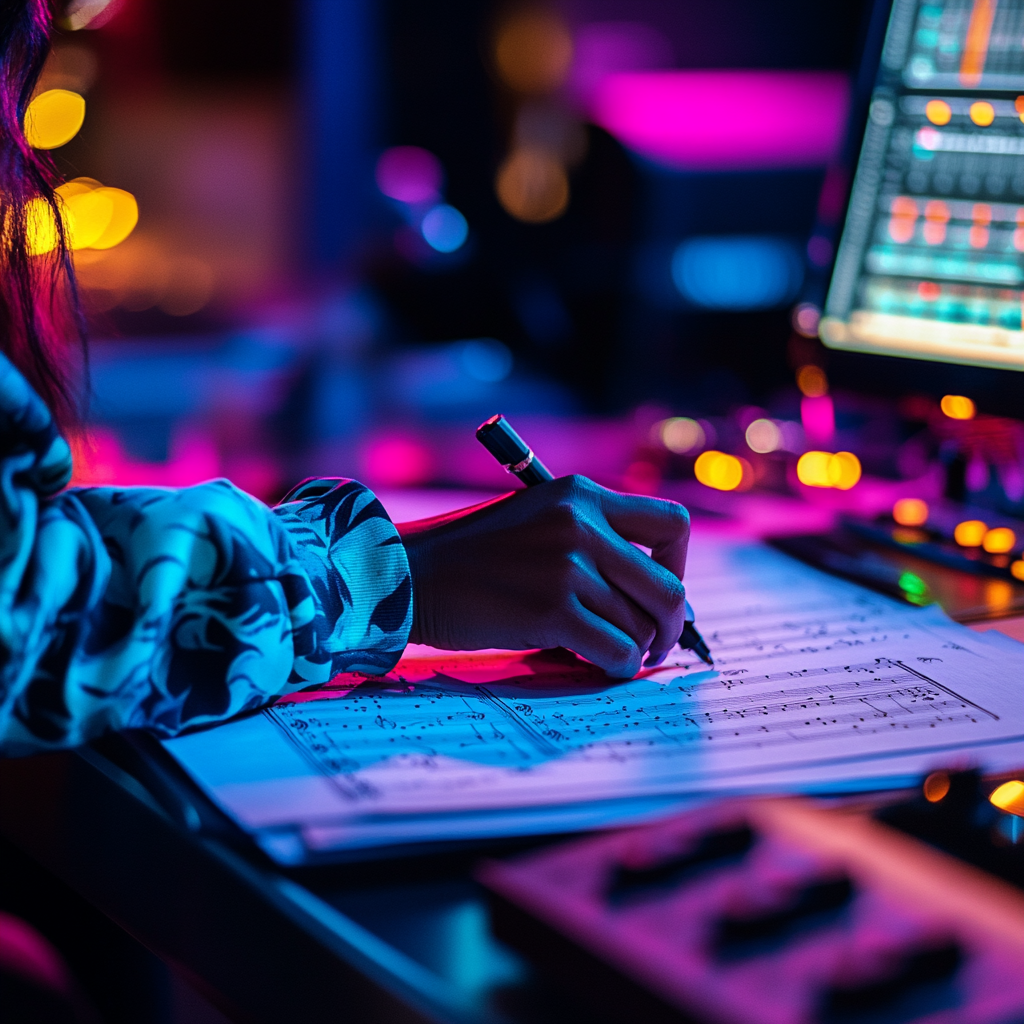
(410, 175)
(818, 416)
(725, 120)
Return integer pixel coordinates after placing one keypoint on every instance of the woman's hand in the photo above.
(553, 566)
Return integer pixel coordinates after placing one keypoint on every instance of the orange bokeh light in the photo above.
(970, 533)
(910, 512)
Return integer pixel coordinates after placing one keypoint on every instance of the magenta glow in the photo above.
(721, 120)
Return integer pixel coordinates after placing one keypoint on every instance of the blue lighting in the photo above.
(737, 272)
(444, 228)
(486, 359)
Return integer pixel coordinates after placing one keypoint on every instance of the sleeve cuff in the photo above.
(359, 574)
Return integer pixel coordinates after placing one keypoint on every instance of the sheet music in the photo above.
(814, 678)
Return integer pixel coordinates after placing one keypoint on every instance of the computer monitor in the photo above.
(930, 262)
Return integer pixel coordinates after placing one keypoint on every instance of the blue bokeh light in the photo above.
(737, 272)
(486, 359)
(444, 228)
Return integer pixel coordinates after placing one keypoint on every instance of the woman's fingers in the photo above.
(615, 607)
(601, 641)
(663, 526)
(650, 586)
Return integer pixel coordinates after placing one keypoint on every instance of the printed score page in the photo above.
(817, 683)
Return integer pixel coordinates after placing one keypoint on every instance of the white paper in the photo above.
(817, 684)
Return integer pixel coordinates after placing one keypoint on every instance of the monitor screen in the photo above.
(930, 263)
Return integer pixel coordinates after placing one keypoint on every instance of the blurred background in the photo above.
(362, 228)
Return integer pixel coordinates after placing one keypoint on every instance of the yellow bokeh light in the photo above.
(910, 512)
(957, 407)
(1017, 569)
(680, 434)
(823, 469)
(999, 540)
(998, 595)
(532, 186)
(970, 533)
(764, 436)
(812, 469)
(811, 381)
(982, 113)
(87, 215)
(533, 51)
(53, 118)
(123, 218)
(94, 217)
(718, 470)
(938, 111)
(843, 470)
(1009, 797)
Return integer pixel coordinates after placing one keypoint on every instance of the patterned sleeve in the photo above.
(166, 609)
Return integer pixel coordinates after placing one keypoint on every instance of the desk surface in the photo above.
(396, 940)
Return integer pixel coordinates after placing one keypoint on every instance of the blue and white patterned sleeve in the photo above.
(167, 609)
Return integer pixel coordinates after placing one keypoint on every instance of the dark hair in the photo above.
(39, 307)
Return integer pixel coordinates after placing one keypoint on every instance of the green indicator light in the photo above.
(915, 588)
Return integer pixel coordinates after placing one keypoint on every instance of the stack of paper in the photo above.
(818, 686)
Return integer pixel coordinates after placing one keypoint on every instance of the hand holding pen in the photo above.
(553, 566)
(512, 452)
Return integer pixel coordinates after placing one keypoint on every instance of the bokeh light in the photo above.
(1017, 569)
(938, 111)
(811, 381)
(844, 470)
(910, 512)
(94, 217)
(935, 787)
(812, 469)
(823, 469)
(1009, 797)
(123, 218)
(806, 317)
(486, 359)
(444, 228)
(53, 118)
(409, 174)
(957, 407)
(87, 216)
(680, 434)
(532, 186)
(533, 51)
(982, 113)
(970, 533)
(764, 436)
(718, 470)
(999, 540)
(737, 271)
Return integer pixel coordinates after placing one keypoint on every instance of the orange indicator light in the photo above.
(1017, 569)
(999, 540)
(957, 407)
(982, 113)
(718, 470)
(970, 533)
(1009, 797)
(910, 512)
(938, 112)
(935, 787)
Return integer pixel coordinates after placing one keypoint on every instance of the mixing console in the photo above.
(931, 262)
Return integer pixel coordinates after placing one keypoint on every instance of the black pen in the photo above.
(516, 456)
